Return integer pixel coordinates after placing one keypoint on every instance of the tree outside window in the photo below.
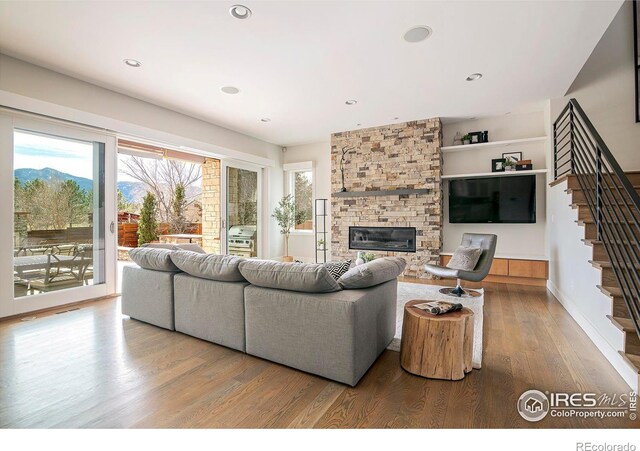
(302, 186)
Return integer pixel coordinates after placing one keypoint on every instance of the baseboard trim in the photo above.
(611, 354)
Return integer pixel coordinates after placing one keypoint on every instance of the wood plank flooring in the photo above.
(94, 368)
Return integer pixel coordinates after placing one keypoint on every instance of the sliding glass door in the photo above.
(241, 210)
(62, 239)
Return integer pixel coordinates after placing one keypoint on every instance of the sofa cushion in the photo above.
(305, 277)
(372, 273)
(176, 247)
(156, 259)
(465, 258)
(223, 268)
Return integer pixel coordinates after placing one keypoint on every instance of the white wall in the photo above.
(605, 90)
(514, 240)
(32, 88)
(301, 244)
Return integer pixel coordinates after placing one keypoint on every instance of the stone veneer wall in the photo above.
(398, 156)
(211, 205)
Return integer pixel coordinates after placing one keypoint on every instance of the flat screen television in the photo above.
(506, 199)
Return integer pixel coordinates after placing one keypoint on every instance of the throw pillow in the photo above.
(223, 268)
(305, 277)
(337, 269)
(465, 258)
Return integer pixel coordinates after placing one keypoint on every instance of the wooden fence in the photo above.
(128, 232)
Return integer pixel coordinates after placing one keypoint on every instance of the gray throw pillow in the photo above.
(224, 268)
(156, 259)
(372, 273)
(305, 277)
(465, 258)
(176, 247)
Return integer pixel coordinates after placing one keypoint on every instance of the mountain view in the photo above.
(132, 191)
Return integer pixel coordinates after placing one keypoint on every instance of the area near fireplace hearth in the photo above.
(392, 179)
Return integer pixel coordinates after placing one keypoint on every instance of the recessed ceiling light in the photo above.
(351, 102)
(229, 90)
(265, 119)
(474, 77)
(240, 12)
(132, 63)
(418, 34)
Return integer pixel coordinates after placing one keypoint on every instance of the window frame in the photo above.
(290, 170)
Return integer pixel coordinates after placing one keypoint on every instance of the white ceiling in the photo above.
(297, 62)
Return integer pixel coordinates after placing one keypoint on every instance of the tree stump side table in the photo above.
(436, 346)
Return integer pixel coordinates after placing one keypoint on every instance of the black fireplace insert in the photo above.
(391, 239)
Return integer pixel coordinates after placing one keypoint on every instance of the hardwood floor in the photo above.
(94, 368)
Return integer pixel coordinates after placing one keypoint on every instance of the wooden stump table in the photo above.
(436, 346)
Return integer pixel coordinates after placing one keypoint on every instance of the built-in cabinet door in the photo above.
(58, 214)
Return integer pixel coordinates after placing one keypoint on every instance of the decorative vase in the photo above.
(287, 259)
(457, 140)
(466, 141)
(359, 259)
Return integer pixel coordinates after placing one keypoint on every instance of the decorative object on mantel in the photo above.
(360, 258)
(321, 212)
(514, 157)
(285, 216)
(457, 140)
(368, 257)
(485, 136)
(345, 151)
(466, 139)
(497, 165)
(524, 165)
(509, 165)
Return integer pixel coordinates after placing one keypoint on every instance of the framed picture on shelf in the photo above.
(514, 157)
(476, 137)
(497, 165)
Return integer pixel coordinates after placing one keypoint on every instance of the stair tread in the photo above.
(632, 359)
(590, 242)
(591, 221)
(607, 264)
(624, 324)
(610, 291)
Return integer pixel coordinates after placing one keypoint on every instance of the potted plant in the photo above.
(466, 139)
(285, 216)
(508, 165)
(321, 245)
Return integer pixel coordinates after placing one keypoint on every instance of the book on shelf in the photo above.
(439, 307)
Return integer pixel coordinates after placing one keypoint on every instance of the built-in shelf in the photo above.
(509, 142)
(387, 192)
(495, 174)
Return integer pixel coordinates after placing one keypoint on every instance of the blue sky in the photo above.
(38, 152)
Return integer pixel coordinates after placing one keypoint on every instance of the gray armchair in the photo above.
(487, 243)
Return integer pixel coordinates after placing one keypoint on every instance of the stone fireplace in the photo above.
(392, 180)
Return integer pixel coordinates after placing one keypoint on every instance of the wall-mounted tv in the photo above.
(506, 199)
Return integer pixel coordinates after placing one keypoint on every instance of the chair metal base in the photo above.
(459, 292)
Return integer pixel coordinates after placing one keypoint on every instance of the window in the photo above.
(300, 186)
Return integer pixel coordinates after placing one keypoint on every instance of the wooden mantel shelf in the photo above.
(388, 192)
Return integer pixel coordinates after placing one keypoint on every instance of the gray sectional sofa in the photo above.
(295, 314)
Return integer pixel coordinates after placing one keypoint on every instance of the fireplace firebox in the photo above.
(389, 239)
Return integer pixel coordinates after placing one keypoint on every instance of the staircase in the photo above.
(608, 204)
